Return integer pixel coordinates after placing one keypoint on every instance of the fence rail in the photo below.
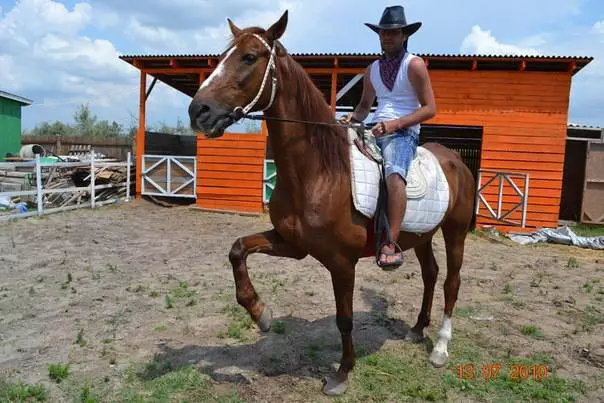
(112, 147)
(96, 169)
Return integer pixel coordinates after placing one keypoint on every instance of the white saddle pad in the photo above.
(427, 188)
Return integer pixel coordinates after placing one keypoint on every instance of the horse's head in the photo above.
(244, 80)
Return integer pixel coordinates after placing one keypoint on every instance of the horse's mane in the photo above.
(330, 142)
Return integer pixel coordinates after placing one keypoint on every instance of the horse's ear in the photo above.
(278, 28)
(234, 29)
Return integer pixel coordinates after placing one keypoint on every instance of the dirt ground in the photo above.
(136, 285)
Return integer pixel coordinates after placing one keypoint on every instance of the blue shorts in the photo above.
(398, 150)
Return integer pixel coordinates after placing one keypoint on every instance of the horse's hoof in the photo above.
(333, 386)
(414, 337)
(438, 359)
(264, 323)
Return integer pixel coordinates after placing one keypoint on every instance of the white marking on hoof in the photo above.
(440, 355)
(334, 387)
(266, 319)
(218, 71)
(438, 359)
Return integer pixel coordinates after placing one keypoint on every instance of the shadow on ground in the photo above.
(305, 349)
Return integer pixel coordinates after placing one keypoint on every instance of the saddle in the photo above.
(427, 188)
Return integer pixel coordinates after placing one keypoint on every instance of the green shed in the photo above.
(10, 122)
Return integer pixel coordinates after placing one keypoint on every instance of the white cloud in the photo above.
(49, 60)
(481, 41)
(598, 28)
(60, 55)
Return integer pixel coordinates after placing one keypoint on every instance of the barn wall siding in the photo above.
(524, 119)
(229, 172)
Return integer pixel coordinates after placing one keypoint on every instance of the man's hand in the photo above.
(347, 119)
(384, 128)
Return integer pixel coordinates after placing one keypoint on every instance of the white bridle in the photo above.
(240, 112)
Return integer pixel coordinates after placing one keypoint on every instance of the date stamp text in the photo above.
(492, 371)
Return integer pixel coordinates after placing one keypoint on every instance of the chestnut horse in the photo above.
(311, 207)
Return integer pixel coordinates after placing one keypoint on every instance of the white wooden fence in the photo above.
(40, 191)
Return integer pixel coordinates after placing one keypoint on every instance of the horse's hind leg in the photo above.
(429, 267)
(270, 243)
(454, 236)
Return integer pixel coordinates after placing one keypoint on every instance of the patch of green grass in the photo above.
(588, 287)
(22, 392)
(279, 327)
(182, 291)
(572, 263)
(160, 328)
(58, 372)
(403, 373)
(240, 322)
(168, 302)
(464, 312)
(154, 294)
(591, 318)
(507, 289)
(185, 384)
(588, 230)
(531, 330)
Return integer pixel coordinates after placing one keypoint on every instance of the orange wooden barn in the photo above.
(506, 115)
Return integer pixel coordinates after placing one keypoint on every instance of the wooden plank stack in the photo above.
(15, 179)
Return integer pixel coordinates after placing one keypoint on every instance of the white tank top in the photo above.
(401, 101)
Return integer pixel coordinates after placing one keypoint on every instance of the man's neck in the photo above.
(391, 55)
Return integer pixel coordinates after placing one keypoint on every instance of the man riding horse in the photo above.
(401, 83)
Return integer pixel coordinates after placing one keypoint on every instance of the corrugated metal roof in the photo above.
(445, 55)
(14, 97)
(586, 127)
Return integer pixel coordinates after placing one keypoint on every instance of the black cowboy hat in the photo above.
(394, 18)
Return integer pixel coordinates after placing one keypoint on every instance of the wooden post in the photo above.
(140, 134)
(334, 90)
(334, 85)
(58, 146)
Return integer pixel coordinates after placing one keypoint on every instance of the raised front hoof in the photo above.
(414, 337)
(438, 359)
(266, 319)
(333, 386)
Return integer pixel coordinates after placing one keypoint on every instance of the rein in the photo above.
(308, 122)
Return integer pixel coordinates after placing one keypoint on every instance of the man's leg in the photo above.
(398, 151)
(397, 203)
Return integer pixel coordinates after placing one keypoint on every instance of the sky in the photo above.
(62, 54)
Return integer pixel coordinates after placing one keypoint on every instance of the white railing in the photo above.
(177, 176)
(500, 178)
(40, 191)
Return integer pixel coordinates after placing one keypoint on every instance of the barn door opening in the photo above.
(466, 140)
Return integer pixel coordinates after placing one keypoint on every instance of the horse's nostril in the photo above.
(196, 110)
(204, 108)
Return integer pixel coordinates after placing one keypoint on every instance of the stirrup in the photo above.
(389, 266)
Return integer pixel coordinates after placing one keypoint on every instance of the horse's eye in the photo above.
(249, 58)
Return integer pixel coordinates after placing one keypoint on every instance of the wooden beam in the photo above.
(522, 65)
(177, 71)
(572, 66)
(174, 64)
(334, 88)
(150, 88)
(348, 86)
(140, 134)
(474, 65)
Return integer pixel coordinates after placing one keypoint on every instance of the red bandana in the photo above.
(389, 68)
